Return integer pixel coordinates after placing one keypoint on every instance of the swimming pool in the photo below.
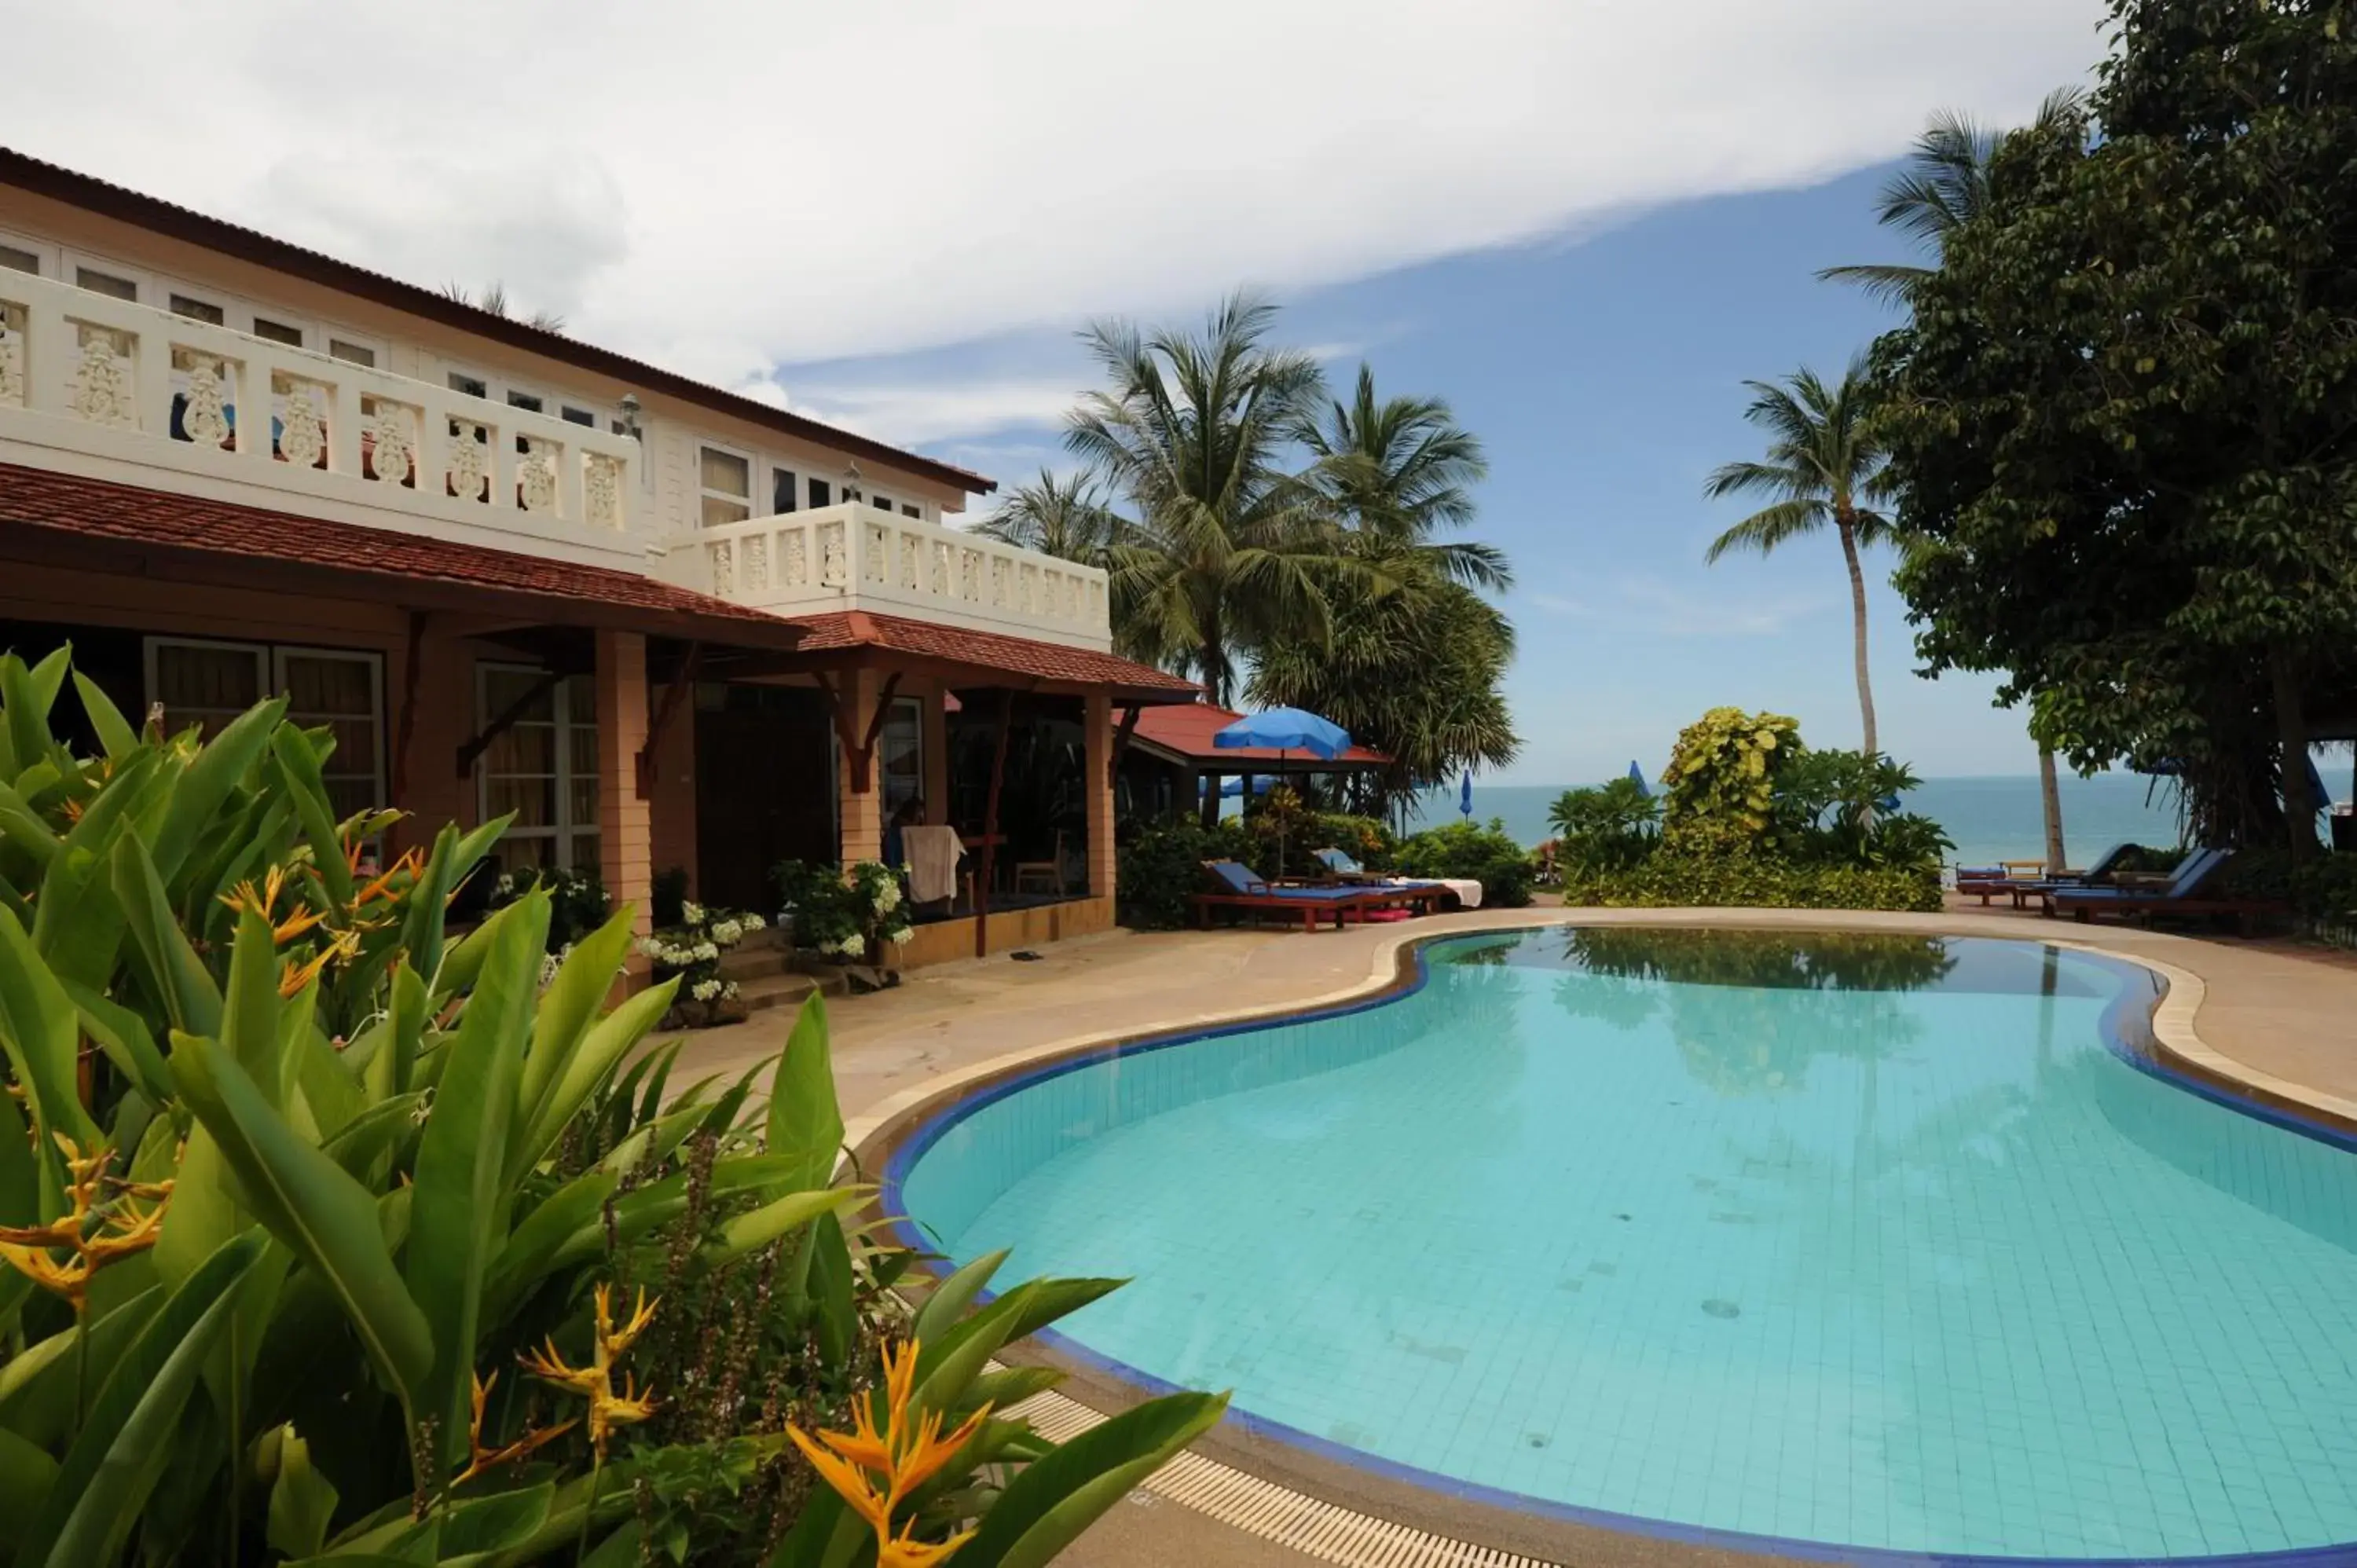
(1867, 1243)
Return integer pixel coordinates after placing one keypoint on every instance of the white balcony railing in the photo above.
(856, 556)
(113, 389)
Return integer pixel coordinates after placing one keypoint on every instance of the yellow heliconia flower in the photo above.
(902, 1457)
(265, 903)
(293, 977)
(479, 1458)
(123, 1229)
(608, 1410)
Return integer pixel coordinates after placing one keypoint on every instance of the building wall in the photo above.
(428, 350)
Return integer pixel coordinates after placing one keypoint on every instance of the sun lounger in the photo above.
(2008, 880)
(1343, 868)
(2182, 894)
(1239, 889)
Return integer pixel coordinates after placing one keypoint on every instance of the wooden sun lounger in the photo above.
(1309, 904)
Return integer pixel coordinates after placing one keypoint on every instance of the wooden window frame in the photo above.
(562, 831)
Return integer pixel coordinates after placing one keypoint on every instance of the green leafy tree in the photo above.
(1824, 470)
(2121, 417)
(1399, 471)
(1067, 516)
(1229, 549)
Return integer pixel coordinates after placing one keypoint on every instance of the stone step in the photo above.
(777, 991)
(746, 961)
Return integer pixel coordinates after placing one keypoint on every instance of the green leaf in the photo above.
(296, 762)
(302, 1501)
(309, 1202)
(27, 1474)
(29, 696)
(113, 1462)
(357, 1145)
(250, 1010)
(950, 1299)
(454, 856)
(20, 1173)
(566, 1008)
(36, 1388)
(224, 764)
(804, 1120)
(123, 1035)
(751, 1232)
(39, 1032)
(1053, 1499)
(458, 1210)
(106, 721)
(578, 1076)
(172, 972)
(946, 1367)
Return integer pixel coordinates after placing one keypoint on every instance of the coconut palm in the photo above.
(1398, 472)
(1824, 466)
(1229, 548)
(1942, 185)
(1068, 517)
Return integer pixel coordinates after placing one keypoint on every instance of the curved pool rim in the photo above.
(2128, 1032)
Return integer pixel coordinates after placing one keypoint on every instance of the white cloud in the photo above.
(937, 409)
(729, 186)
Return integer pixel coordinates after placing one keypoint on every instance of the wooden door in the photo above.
(764, 792)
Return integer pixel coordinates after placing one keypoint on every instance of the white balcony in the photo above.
(95, 386)
(856, 556)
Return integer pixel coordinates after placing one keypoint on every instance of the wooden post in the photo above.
(412, 659)
(1101, 747)
(625, 837)
(990, 823)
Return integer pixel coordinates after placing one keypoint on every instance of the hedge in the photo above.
(1753, 882)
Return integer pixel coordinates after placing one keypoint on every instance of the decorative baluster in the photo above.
(536, 477)
(204, 421)
(756, 563)
(602, 490)
(970, 576)
(1002, 582)
(940, 569)
(834, 572)
(469, 463)
(101, 390)
(392, 448)
(875, 562)
(12, 354)
(302, 436)
(797, 564)
(724, 568)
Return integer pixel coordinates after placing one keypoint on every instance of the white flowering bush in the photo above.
(692, 949)
(863, 918)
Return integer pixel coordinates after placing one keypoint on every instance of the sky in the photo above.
(1583, 222)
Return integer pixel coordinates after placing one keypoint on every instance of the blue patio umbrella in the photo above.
(1637, 777)
(1283, 730)
(1465, 796)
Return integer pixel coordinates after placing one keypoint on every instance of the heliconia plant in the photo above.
(328, 1232)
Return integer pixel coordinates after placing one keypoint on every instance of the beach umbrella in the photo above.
(1637, 777)
(1465, 796)
(1284, 730)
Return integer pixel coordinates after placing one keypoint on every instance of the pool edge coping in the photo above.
(1278, 1512)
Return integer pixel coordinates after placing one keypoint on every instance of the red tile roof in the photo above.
(157, 216)
(1188, 731)
(38, 500)
(991, 651)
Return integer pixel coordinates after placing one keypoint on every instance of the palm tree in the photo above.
(494, 299)
(1943, 185)
(1399, 472)
(1824, 464)
(1229, 549)
(1068, 517)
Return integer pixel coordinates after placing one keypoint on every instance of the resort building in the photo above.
(663, 624)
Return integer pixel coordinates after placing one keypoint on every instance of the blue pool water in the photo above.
(1864, 1242)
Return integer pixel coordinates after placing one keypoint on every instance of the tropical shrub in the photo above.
(690, 952)
(1722, 781)
(1487, 856)
(1367, 839)
(1722, 881)
(863, 918)
(1162, 865)
(1609, 827)
(351, 1241)
(1841, 808)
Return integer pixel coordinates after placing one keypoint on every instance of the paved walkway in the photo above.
(2274, 1012)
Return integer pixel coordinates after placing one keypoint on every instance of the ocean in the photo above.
(1990, 818)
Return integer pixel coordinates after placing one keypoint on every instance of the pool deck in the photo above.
(2274, 1017)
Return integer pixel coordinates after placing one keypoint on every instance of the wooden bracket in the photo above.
(1121, 741)
(859, 750)
(683, 682)
(474, 748)
(407, 726)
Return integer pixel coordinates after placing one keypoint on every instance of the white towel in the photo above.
(932, 857)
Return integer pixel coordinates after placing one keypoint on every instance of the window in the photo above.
(727, 487)
(352, 353)
(106, 284)
(531, 403)
(198, 310)
(781, 490)
(580, 416)
(18, 260)
(820, 494)
(278, 332)
(204, 683)
(344, 692)
(900, 754)
(908, 511)
(473, 386)
(881, 503)
(543, 767)
(210, 683)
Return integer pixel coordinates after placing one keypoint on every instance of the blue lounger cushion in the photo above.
(1238, 878)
